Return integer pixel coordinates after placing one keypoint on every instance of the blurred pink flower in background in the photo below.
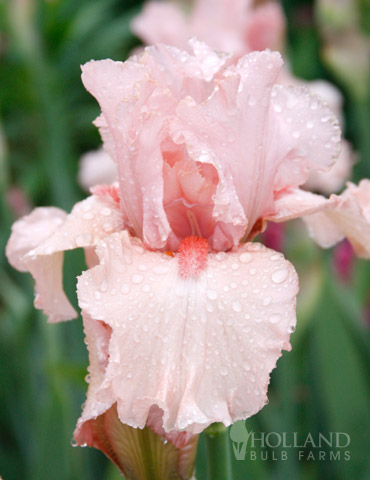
(96, 167)
(18, 201)
(235, 26)
(274, 236)
(343, 260)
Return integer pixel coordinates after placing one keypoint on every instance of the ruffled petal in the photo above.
(27, 234)
(228, 115)
(259, 151)
(323, 230)
(216, 336)
(38, 241)
(349, 217)
(134, 122)
(333, 180)
(295, 203)
(309, 135)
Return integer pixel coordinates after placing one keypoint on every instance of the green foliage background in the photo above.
(322, 385)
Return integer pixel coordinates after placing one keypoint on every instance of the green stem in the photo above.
(218, 452)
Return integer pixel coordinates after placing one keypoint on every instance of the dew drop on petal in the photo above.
(275, 318)
(245, 257)
(252, 100)
(247, 366)
(266, 301)
(136, 278)
(237, 306)
(279, 276)
(105, 211)
(212, 294)
(209, 307)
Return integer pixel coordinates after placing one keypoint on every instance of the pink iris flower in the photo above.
(185, 316)
(240, 27)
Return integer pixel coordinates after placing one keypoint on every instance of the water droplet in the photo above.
(235, 266)
(252, 271)
(223, 371)
(266, 301)
(275, 318)
(136, 278)
(237, 306)
(279, 276)
(245, 257)
(296, 134)
(209, 307)
(105, 211)
(252, 100)
(277, 108)
(83, 239)
(107, 227)
(291, 329)
(212, 294)
(125, 288)
(160, 270)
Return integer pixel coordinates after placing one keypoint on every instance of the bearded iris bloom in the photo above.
(184, 316)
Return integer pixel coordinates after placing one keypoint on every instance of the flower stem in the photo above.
(218, 452)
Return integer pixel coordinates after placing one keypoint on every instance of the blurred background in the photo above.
(321, 386)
